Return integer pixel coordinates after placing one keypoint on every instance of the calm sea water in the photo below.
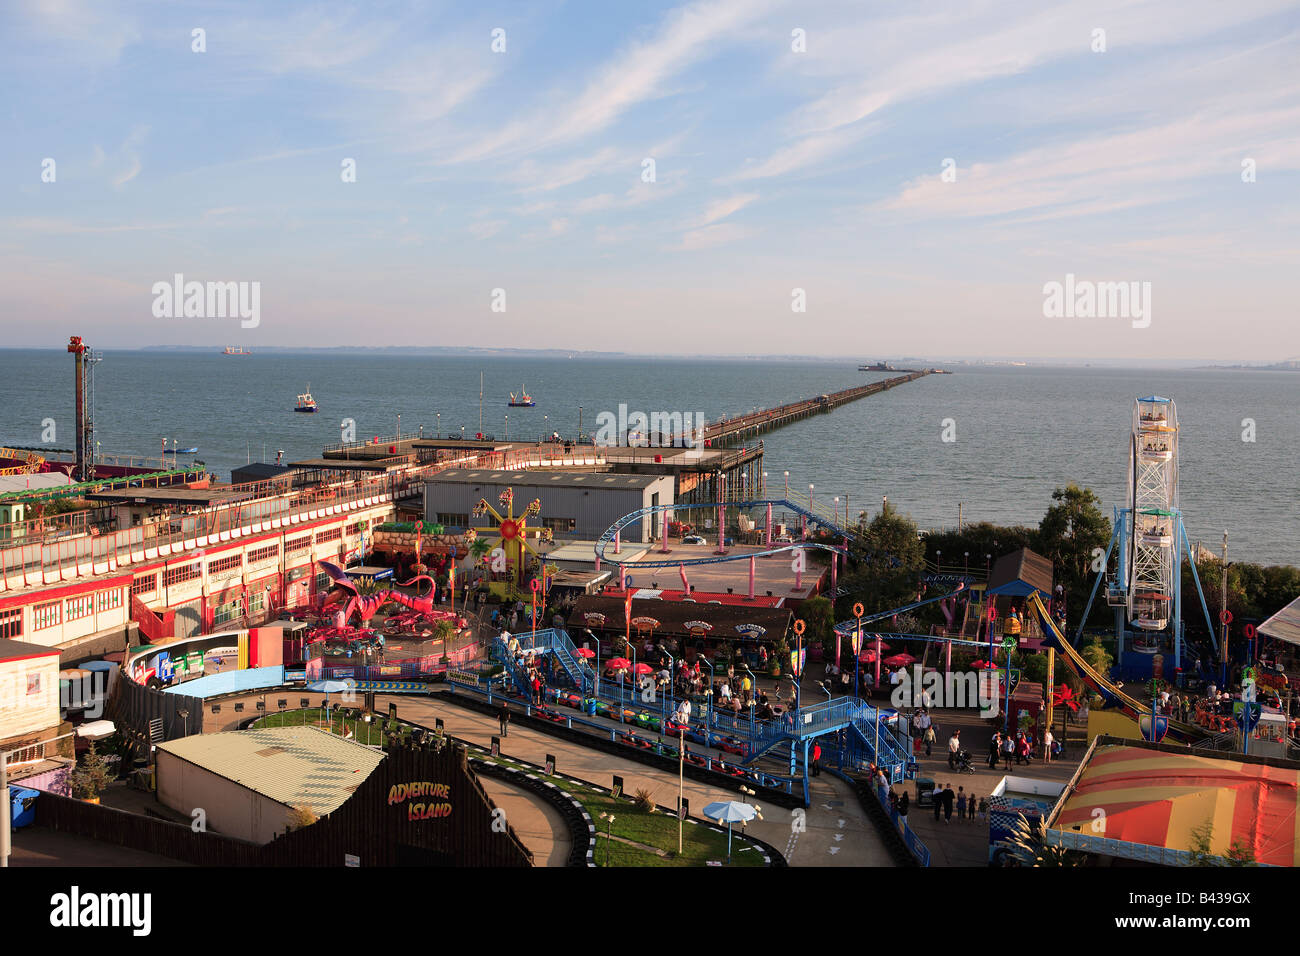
(1020, 432)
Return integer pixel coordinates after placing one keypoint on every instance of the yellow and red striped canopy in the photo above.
(1161, 799)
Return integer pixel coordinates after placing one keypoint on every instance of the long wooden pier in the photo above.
(729, 429)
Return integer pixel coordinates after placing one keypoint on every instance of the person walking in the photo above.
(995, 749)
(937, 796)
(971, 806)
(1048, 741)
(961, 803)
(929, 739)
(904, 802)
(954, 746)
(1008, 750)
(504, 718)
(816, 759)
(949, 798)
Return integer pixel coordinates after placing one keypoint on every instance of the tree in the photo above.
(1240, 853)
(300, 818)
(90, 779)
(1028, 846)
(1073, 528)
(887, 568)
(1097, 657)
(819, 620)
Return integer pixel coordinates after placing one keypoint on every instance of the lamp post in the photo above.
(787, 485)
(609, 829)
(440, 424)
(708, 702)
(764, 494)
(966, 569)
(507, 435)
(836, 499)
(681, 783)
(597, 640)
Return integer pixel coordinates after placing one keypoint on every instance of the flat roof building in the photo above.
(248, 782)
(578, 505)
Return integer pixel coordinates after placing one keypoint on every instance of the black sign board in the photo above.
(550, 764)
(618, 786)
(496, 746)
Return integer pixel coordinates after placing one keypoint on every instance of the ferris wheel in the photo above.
(1153, 499)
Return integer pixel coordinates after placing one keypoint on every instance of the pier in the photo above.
(730, 429)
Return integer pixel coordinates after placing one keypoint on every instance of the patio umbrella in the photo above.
(643, 669)
(618, 663)
(729, 812)
(983, 665)
(584, 652)
(867, 657)
(900, 660)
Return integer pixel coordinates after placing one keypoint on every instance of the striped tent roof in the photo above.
(1161, 798)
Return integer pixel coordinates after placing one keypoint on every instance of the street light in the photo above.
(597, 640)
(609, 829)
(787, 484)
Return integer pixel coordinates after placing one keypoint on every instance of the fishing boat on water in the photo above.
(236, 350)
(522, 400)
(305, 402)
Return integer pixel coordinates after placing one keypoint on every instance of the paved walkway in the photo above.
(537, 823)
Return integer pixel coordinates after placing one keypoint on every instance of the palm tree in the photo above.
(1028, 846)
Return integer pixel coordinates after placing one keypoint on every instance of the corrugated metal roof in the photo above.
(296, 766)
(1285, 624)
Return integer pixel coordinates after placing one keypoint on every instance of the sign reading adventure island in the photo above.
(404, 792)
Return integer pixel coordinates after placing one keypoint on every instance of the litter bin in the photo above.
(22, 807)
(924, 792)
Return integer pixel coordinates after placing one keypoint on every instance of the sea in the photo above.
(996, 440)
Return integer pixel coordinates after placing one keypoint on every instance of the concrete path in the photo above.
(537, 824)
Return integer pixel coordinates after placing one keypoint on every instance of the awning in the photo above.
(1284, 625)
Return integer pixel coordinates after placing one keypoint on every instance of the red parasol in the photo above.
(584, 652)
(643, 669)
(900, 660)
(983, 665)
(618, 663)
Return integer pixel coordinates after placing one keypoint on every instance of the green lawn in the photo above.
(700, 844)
(366, 733)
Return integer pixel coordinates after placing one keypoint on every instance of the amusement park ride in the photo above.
(512, 547)
(1149, 544)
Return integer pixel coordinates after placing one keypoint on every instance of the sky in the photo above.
(751, 177)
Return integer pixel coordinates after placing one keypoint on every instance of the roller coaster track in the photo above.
(635, 516)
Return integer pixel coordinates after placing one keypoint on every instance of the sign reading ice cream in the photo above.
(434, 799)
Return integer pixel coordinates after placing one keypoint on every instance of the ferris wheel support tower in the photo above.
(1149, 544)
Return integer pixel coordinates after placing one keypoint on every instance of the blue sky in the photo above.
(775, 170)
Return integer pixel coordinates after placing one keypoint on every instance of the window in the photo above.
(262, 554)
(322, 581)
(297, 544)
(144, 584)
(225, 613)
(359, 527)
(454, 520)
(108, 600)
(46, 615)
(11, 624)
(560, 524)
(79, 607)
(222, 565)
(256, 603)
(180, 574)
(333, 534)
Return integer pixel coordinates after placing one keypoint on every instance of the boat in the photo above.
(305, 402)
(878, 367)
(185, 451)
(236, 350)
(522, 400)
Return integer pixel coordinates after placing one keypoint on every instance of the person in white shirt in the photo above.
(1048, 741)
(954, 747)
(684, 712)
